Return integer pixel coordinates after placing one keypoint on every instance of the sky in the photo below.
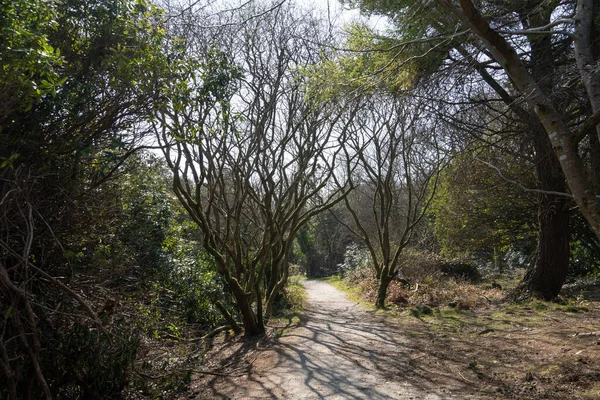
(340, 15)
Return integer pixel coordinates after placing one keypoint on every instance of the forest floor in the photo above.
(341, 349)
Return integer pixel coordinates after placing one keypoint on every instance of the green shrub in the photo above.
(99, 365)
(461, 270)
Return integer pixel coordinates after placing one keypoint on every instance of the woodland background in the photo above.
(165, 168)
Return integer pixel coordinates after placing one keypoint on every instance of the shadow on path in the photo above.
(341, 352)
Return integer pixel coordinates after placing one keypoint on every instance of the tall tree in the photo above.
(550, 126)
(252, 158)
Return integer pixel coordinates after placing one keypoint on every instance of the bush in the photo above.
(196, 284)
(417, 265)
(95, 364)
(291, 298)
(360, 275)
(355, 258)
(461, 270)
(425, 280)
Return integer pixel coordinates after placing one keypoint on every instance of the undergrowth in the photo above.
(289, 306)
(429, 295)
(430, 291)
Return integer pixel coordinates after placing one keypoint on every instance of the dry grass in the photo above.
(432, 293)
(427, 280)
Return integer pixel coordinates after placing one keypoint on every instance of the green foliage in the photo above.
(369, 64)
(355, 258)
(421, 35)
(204, 84)
(127, 222)
(134, 239)
(219, 75)
(98, 363)
(30, 64)
(194, 280)
(76, 81)
(477, 214)
(409, 17)
(292, 299)
(585, 249)
(92, 70)
(150, 237)
(415, 48)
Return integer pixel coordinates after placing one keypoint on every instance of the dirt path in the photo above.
(339, 352)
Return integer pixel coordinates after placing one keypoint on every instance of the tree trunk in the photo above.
(595, 163)
(259, 307)
(384, 282)
(252, 325)
(234, 325)
(276, 291)
(584, 54)
(499, 260)
(274, 275)
(549, 266)
(548, 269)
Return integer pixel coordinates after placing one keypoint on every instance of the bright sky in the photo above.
(335, 10)
(339, 15)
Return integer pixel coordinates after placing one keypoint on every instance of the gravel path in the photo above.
(339, 352)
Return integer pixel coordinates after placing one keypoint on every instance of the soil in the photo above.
(340, 350)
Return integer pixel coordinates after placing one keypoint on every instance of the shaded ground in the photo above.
(342, 351)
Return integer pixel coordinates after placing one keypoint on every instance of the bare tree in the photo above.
(393, 164)
(252, 160)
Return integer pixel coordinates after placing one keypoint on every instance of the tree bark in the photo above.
(252, 325)
(232, 323)
(548, 269)
(586, 62)
(384, 283)
(547, 273)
